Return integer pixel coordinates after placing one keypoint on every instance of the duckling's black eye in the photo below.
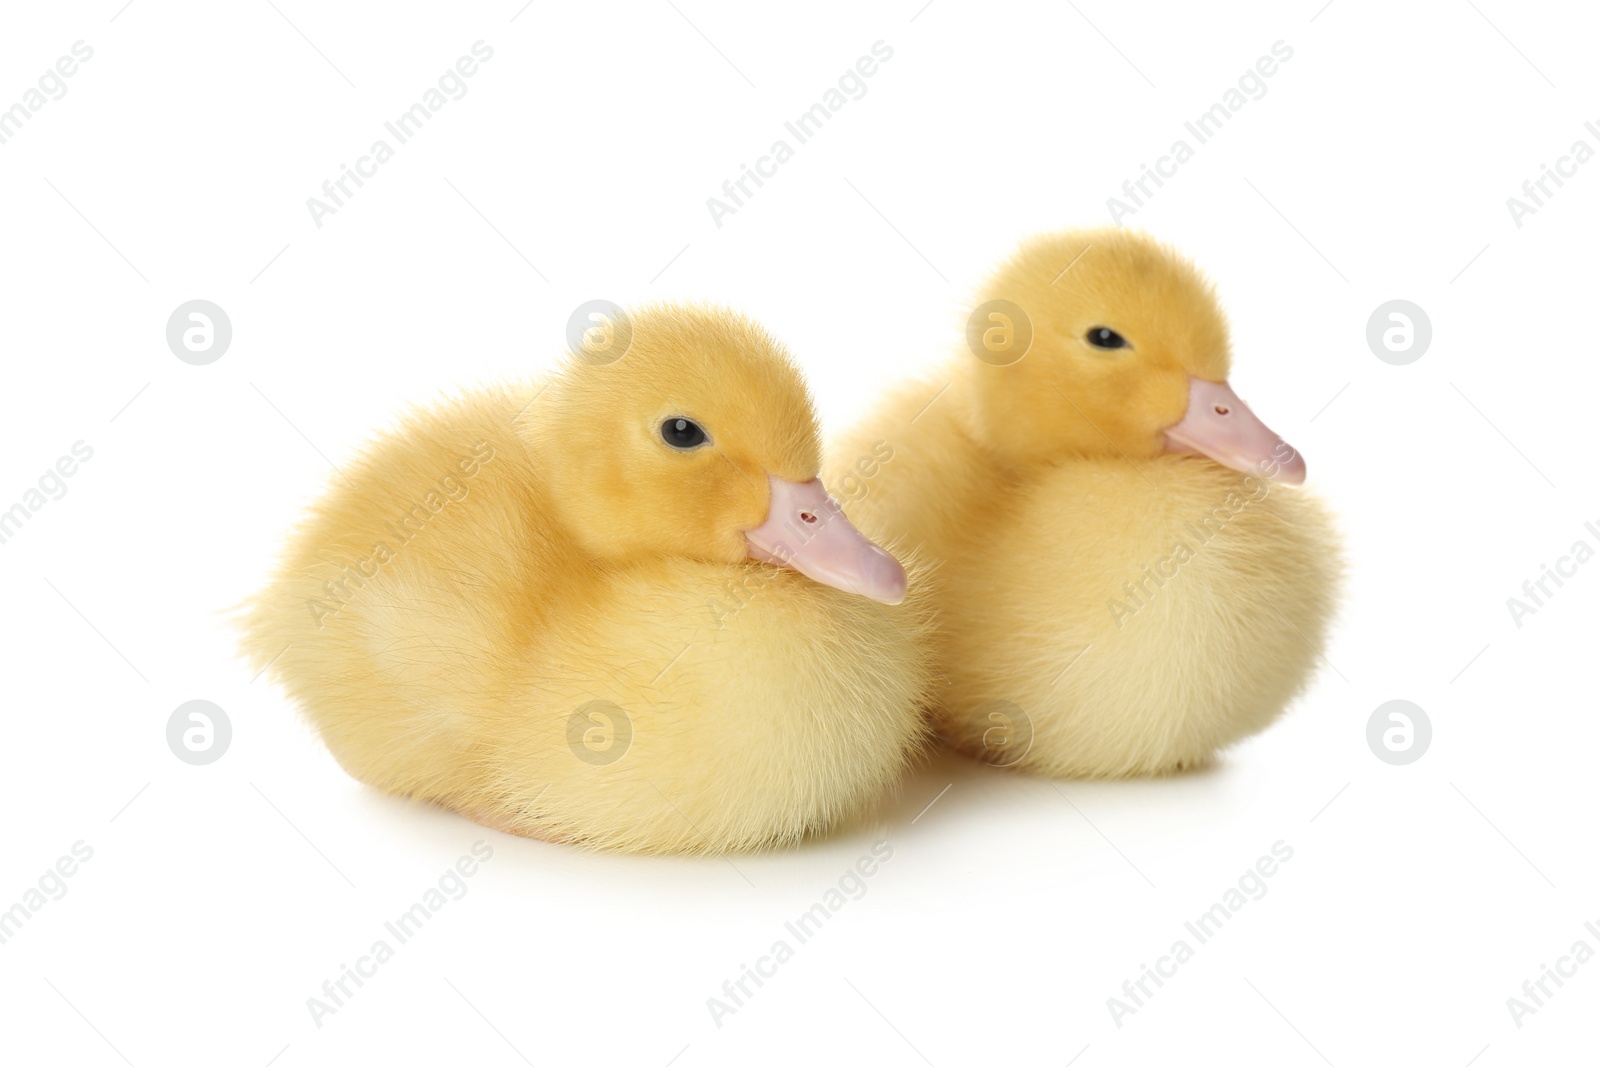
(1102, 337)
(682, 433)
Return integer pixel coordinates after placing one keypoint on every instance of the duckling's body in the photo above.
(467, 618)
(1104, 607)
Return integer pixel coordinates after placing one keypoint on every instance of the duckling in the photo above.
(616, 608)
(1126, 581)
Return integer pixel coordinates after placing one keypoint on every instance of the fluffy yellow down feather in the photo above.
(522, 606)
(1104, 608)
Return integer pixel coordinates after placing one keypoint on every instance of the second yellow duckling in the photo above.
(1126, 584)
(618, 609)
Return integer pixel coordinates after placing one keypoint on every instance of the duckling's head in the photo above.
(1103, 342)
(699, 440)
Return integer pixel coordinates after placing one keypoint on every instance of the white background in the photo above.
(1377, 166)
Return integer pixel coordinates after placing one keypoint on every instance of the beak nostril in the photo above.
(1221, 409)
(808, 517)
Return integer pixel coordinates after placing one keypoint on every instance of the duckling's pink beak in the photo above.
(1222, 427)
(807, 530)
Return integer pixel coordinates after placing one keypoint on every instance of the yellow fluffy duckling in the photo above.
(616, 609)
(1126, 581)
